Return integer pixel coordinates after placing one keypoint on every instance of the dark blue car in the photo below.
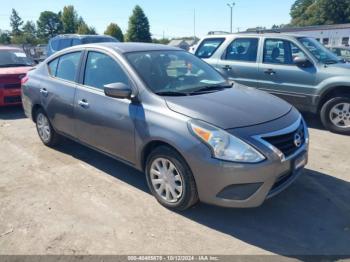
(60, 42)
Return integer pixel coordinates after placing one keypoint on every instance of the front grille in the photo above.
(12, 99)
(12, 86)
(286, 143)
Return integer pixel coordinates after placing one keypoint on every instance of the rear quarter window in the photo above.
(208, 47)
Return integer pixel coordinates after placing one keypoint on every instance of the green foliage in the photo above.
(139, 29)
(163, 41)
(15, 22)
(29, 35)
(70, 20)
(5, 37)
(49, 25)
(115, 31)
(84, 29)
(320, 12)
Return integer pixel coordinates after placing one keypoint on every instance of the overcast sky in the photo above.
(173, 17)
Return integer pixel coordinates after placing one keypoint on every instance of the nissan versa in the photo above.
(171, 115)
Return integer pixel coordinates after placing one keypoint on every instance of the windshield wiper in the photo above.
(209, 88)
(171, 93)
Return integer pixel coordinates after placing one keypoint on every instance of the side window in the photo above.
(68, 66)
(64, 43)
(243, 49)
(208, 47)
(101, 70)
(277, 51)
(53, 67)
(54, 45)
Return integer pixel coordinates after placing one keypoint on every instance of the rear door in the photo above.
(57, 92)
(104, 122)
(239, 61)
(280, 76)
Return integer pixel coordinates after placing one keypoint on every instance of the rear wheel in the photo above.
(170, 179)
(45, 131)
(335, 115)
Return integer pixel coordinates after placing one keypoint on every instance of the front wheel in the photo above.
(170, 179)
(335, 115)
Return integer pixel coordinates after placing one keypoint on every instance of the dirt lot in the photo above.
(73, 200)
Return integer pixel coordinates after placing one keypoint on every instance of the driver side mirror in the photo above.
(302, 62)
(118, 90)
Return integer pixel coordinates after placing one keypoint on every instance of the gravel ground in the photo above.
(73, 200)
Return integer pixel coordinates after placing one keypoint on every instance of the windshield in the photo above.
(14, 58)
(175, 72)
(321, 53)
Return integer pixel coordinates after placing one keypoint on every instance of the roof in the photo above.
(129, 47)
(177, 42)
(80, 36)
(316, 27)
(252, 34)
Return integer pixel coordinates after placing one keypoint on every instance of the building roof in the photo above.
(311, 28)
(177, 42)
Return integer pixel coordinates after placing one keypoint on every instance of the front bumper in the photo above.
(241, 185)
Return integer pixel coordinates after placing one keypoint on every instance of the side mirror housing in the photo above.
(302, 61)
(118, 90)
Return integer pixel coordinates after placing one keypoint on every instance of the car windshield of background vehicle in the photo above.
(14, 58)
(208, 47)
(176, 73)
(321, 53)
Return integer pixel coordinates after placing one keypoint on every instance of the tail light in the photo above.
(24, 79)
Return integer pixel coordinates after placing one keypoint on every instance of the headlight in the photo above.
(224, 145)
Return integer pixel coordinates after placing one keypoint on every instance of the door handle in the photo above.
(227, 67)
(44, 91)
(270, 72)
(83, 103)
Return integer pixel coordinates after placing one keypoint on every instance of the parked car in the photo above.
(296, 68)
(169, 114)
(342, 52)
(14, 64)
(60, 42)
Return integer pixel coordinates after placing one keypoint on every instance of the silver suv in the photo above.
(296, 68)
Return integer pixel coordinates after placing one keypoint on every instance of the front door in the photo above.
(280, 76)
(240, 61)
(103, 122)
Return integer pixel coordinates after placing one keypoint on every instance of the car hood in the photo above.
(239, 106)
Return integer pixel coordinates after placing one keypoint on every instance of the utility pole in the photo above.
(231, 6)
(194, 24)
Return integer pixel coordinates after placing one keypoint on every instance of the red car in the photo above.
(14, 64)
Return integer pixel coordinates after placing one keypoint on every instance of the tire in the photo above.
(45, 130)
(182, 177)
(335, 116)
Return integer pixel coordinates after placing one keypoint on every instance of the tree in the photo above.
(15, 22)
(115, 31)
(69, 18)
(320, 12)
(49, 25)
(5, 37)
(29, 34)
(84, 29)
(139, 29)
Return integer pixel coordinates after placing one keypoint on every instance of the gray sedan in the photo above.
(165, 112)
